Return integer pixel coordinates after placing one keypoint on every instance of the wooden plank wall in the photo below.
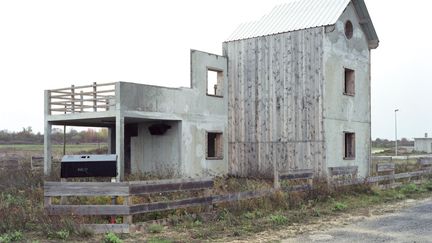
(275, 86)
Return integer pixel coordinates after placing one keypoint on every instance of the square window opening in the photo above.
(349, 88)
(214, 145)
(214, 82)
(349, 141)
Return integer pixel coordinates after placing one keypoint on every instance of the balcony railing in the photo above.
(80, 99)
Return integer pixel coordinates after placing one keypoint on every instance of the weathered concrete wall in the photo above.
(157, 154)
(423, 145)
(191, 112)
(275, 103)
(344, 113)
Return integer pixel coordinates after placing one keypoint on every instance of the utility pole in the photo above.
(396, 147)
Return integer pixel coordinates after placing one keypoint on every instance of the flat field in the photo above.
(28, 150)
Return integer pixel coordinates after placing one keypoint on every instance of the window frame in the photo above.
(353, 145)
(220, 76)
(219, 155)
(349, 29)
(347, 80)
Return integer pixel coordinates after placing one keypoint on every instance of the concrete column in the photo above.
(111, 140)
(47, 149)
(120, 146)
(47, 134)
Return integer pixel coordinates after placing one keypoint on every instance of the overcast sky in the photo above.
(49, 44)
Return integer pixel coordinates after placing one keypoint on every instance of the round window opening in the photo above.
(348, 29)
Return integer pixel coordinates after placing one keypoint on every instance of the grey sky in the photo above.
(50, 44)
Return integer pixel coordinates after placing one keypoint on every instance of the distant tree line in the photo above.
(385, 143)
(27, 136)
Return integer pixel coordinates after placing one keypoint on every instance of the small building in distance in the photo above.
(423, 144)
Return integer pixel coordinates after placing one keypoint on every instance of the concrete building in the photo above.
(292, 89)
(299, 88)
(169, 132)
(423, 144)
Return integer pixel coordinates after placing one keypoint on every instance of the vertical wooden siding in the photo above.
(275, 103)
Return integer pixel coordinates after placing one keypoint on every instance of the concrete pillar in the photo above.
(111, 140)
(47, 135)
(47, 149)
(120, 147)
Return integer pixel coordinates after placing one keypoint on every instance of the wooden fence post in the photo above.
(73, 98)
(82, 101)
(127, 200)
(94, 97)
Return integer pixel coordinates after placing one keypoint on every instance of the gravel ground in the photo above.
(411, 224)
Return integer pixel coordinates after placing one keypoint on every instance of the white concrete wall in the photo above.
(157, 154)
(344, 113)
(193, 113)
(423, 145)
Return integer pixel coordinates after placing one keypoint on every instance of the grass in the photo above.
(21, 207)
(249, 217)
(155, 228)
(111, 238)
(21, 204)
(340, 206)
(377, 150)
(27, 150)
(235, 220)
(11, 237)
(278, 219)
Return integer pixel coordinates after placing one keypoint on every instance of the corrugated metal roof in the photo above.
(302, 14)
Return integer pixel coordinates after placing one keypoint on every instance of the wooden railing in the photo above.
(129, 190)
(9, 164)
(79, 99)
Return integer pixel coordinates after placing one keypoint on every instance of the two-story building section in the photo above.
(292, 90)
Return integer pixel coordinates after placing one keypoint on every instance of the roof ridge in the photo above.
(301, 14)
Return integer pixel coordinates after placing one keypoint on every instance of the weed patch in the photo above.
(411, 188)
(278, 219)
(11, 237)
(155, 228)
(111, 238)
(339, 206)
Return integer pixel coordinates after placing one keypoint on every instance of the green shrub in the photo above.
(411, 188)
(278, 219)
(339, 206)
(223, 214)
(111, 238)
(249, 215)
(11, 237)
(155, 228)
(316, 213)
(62, 234)
(428, 186)
(196, 223)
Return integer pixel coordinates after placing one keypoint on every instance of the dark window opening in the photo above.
(349, 145)
(214, 145)
(349, 30)
(349, 88)
(214, 82)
